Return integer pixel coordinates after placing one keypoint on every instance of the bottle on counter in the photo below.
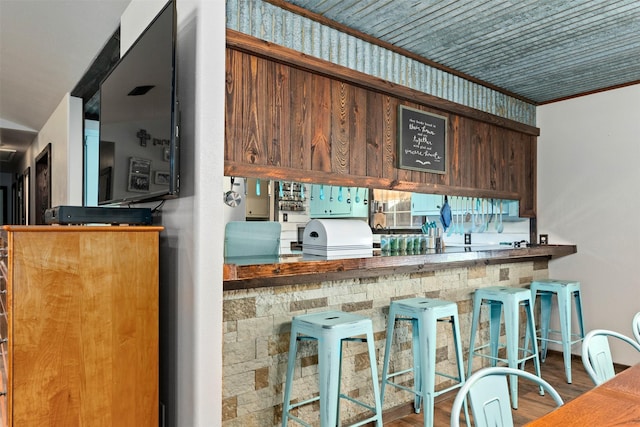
(402, 243)
(393, 243)
(423, 244)
(384, 243)
(409, 243)
(431, 239)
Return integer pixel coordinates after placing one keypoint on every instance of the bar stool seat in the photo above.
(330, 329)
(423, 313)
(564, 290)
(509, 300)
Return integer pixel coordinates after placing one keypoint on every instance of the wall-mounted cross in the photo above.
(143, 136)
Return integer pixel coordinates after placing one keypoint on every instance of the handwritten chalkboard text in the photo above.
(421, 140)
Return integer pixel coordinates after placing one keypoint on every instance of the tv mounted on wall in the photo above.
(139, 147)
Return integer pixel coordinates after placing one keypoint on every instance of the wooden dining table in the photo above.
(613, 403)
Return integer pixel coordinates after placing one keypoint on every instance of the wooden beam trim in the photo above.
(278, 173)
(254, 46)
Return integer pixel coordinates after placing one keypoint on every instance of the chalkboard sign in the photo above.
(422, 142)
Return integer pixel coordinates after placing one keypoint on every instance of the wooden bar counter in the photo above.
(261, 296)
(299, 269)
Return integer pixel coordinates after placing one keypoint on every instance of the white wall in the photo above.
(191, 250)
(588, 175)
(64, 131)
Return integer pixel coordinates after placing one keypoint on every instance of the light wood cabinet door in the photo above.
(83, 326)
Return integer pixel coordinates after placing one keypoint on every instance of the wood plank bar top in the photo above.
(301, 269)
(614, 403)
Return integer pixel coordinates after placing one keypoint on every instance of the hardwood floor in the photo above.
(530, 404)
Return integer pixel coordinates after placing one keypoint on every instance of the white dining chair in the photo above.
(636, 326)
(488, 395)
(596, 354)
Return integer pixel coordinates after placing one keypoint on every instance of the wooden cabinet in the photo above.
(4, 335)
(345, 133)
(426, 204)
(81, 328)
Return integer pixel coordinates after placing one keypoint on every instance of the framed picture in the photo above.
(43, 184)
(139, 175)
(139, 166)
(138, 183)
(422, 140)
(162, 178)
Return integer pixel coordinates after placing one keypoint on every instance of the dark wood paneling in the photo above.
(389, 136)
(300, 124)
(457, 152)
(341, 100)
(265, 110)
(529, 203)
(280, 147)
(357, 116)
(320, 124)
(251, 148)
(375, 143)
(233, 103)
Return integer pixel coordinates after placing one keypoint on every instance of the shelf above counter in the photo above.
(301, 269)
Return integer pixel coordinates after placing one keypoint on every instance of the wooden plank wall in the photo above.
(287, 122)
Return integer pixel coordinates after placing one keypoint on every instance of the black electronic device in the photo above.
(80, 215)
(138, 151)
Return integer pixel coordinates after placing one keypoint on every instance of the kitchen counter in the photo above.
(261, 296)
(246, 273)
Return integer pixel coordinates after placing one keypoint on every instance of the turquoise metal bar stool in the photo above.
(509, 300)
(330, 329)
(424, 314)
(564, 291)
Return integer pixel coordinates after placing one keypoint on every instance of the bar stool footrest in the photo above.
(341, 396)
(500, 359)
(304, 402)
(575, 338)
(416, 392)
(395, 374)
(359, 402)
(298, 420)
(403, 387)
(527, 354)
(365, 421)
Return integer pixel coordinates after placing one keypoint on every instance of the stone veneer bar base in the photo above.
(257, 325)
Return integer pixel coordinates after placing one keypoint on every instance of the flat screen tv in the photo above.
(139, 147)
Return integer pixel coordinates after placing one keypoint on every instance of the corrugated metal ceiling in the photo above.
(540, 50)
